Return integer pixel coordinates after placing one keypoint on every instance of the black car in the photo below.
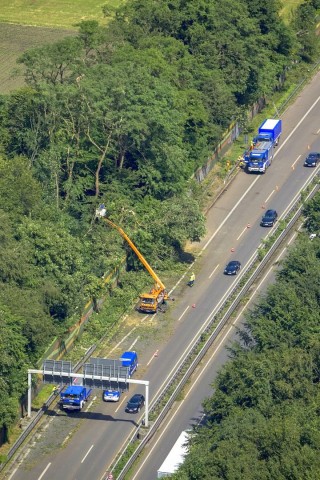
(312, 159)
(232, 268)
(135, 403)
(269, 218)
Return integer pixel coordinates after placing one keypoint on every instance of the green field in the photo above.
(53, 13)
(16, 39)
(26, 24)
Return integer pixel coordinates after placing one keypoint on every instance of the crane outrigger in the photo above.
(149, 302)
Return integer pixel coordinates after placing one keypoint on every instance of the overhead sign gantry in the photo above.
(99, 373)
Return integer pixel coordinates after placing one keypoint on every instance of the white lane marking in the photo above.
(318, 131)
(183, 313)
(133, 344)
(201, 329)
(245, 229)
(120, 404)
(66, 439)
(14, 471)
(315, 172)
(181, 278)
(291, 240)
(91, 403)
(153, 355)
(292, 166)
(215, 268)
(253, 183)
(87, 454)
(144, 318)
(118, 344)
(195, 381)
(298, 125)
(214, 234)
(44, 471)
(229, 214)
(269, 196)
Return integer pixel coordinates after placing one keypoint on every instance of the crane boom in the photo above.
(155, 277)
(149, 302)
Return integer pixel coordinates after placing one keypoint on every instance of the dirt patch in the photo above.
(17, 39)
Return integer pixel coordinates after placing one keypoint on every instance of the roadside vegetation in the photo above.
(263, 419)
(121, 115)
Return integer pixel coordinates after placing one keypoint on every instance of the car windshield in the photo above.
(232, 264)
(269, 215)
(134, 400)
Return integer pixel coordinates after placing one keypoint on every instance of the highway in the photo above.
(82, 446)
(188, 412)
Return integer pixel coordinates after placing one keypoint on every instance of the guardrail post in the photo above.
(29, 394)
(146, 420)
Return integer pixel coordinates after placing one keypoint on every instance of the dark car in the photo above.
(269, 218)
(312, 159)
(232, 268)
(135, 403)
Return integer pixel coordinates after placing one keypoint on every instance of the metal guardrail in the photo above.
(42, 411)
(192, 366)
(295, 211)
(52, 397)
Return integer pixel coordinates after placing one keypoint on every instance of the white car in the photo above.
(111, 395)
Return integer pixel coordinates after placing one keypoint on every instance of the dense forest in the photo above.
(121, 115)
(263, 420)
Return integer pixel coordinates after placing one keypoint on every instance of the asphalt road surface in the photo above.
(188, 412)
(82, 446)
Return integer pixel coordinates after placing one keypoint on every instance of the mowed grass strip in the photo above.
(53, 13)
(288, 8)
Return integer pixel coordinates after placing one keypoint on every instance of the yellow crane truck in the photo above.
(152, 301)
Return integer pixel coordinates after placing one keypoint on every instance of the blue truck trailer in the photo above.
(269, 131)
(130, 360)
(74, 397)
(259, 157)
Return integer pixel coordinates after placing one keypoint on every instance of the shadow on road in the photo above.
(90, 416)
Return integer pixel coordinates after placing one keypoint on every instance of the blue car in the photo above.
(312, 159)
(135, 403)
(111, 395)
(232, 268)
(269, 218)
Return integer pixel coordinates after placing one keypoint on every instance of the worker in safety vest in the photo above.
(191, 279)
(241, 161)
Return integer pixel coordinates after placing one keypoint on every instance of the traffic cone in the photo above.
(232, 249)
(248, 226)
(193, 305)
